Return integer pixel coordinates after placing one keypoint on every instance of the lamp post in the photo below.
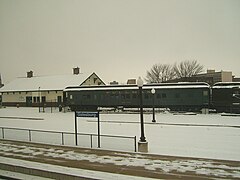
(142, 144)
(140, 85)
(153, 96)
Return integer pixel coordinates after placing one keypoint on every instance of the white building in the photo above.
(48, 90)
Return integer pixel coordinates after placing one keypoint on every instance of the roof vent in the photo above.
(131, 81)
(76, 70)
(30, 74)
(210, 71)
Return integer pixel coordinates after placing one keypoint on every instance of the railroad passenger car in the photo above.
(226, 97)
(175, 96)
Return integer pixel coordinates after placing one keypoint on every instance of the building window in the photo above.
(59, 99)
(43, 99)
(146, 96)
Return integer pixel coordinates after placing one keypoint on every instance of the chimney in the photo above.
(30, 74)
(76, 70)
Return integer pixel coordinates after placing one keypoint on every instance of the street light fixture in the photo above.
(142, 144)
(153, 107)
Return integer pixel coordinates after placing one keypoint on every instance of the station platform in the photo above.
(61, 162)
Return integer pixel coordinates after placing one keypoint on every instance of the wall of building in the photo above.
(51, 98)
(226, 76)
(43, 97)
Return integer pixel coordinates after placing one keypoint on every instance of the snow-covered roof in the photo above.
(58, 82)
(147, 86)
(226, 85)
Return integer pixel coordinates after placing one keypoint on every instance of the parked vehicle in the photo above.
(226, 97)
(175, 96)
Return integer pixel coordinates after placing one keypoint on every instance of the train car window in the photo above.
(146, 96)
(86, 96)
(134, 96)
(158, 96)
(236, 92)
(164, 95)
(177, 95)
(205, 93)
(128, 96)
(71, 97)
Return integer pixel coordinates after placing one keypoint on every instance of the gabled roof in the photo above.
(93, 74)
(58, 82)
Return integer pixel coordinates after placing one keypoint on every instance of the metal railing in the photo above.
(109, 142)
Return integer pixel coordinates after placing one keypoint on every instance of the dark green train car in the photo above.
(177, 96)
(226, 97)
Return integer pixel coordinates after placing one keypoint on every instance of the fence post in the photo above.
(29, 135)
(62, 139)
(3, 133)
(91, 140)
(99, 130)
(135, 143)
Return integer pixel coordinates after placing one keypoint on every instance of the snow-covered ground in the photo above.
(206, 136)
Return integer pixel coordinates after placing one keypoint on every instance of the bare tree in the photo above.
(187, 68)
(159, 73)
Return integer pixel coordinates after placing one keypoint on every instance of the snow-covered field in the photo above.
(206, 136)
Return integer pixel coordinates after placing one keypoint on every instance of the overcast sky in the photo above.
(117, 39)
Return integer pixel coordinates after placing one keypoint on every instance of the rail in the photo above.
(109, 142)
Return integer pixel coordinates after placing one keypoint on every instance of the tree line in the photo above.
(165, 72)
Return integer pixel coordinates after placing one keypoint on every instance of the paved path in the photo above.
(132, 164)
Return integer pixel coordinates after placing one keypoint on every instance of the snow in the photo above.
(57, 82)
(14, 175)
(203, 136)
(148, 86)
(65, 170)
(226, 85)
(201, 167)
